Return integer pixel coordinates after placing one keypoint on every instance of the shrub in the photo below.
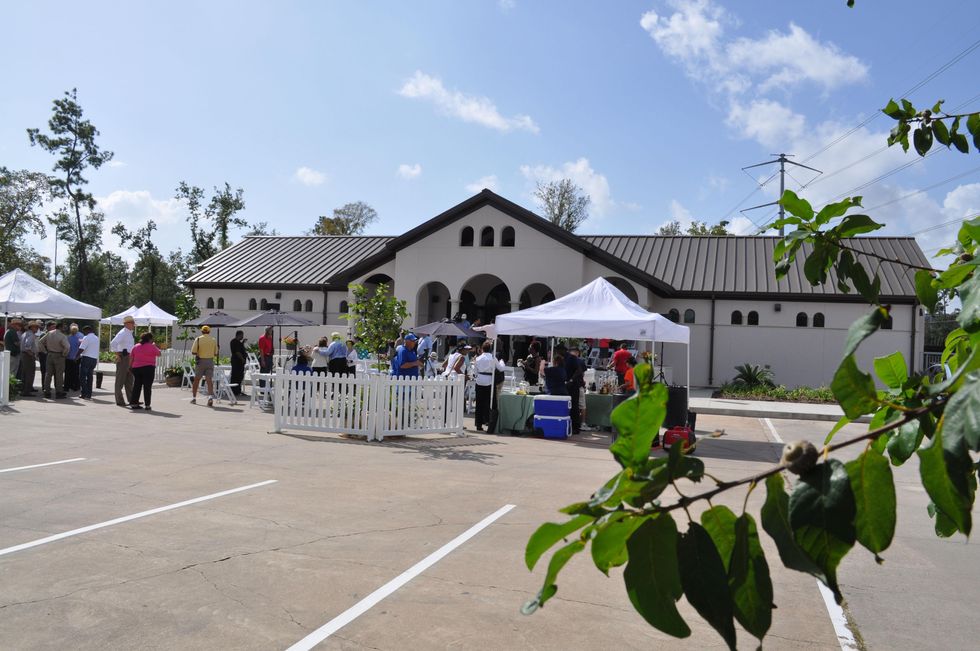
(777, 393)
(753, 376)
(173, 371)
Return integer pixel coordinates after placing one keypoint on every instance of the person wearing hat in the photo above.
(11, 343)
(406, 362)
(336, 355)
(28, 361)
(456, 361)
(88, 351)
(204, 350)
(431, 364)
(56, 348)
(122, 344)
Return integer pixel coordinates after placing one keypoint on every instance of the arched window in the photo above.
(264, 305)
(507, 236)
(818, 320)
(466, 236)
(736, 318)
(486, 236)
(252, 305)
(221, 303)
(674, 315)
(887, 324)
(297, 305)
(343, 307)
(753, 318)
(801, 320)
(688, 316)
(309, 305)
(210, 304)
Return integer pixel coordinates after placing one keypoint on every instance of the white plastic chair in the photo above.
(188, 380)
(223, 387)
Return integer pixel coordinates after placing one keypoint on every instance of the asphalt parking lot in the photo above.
(103, 551)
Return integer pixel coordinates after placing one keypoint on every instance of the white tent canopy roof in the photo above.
(597, 310)
(117, 319)
(151, 314)
(21, 293)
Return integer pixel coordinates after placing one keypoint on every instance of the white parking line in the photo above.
(42, 465)
(772, 430)
(127, 518)
(362, 606)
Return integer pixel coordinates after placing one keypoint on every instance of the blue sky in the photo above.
(652, 107)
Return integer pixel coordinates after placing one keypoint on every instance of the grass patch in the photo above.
(779, 393)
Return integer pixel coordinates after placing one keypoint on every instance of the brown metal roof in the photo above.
(743, 265)
(299, 261)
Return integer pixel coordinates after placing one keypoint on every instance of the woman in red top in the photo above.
(143, 362)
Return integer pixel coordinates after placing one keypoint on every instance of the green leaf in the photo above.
(705, 581)
(854, 225)
(960, 142)
(892, 370)
(927, 293)
(558, 561)
(864, 328)
(609, 543)
(844, 420)
(944, 526)
(893, 110)
(973, 123)
(922, 140)
(941, 133)
(638, 420)
(909, 109)
(874, 496)
(832, 210)
(796, 206)
(961, 419)
(956, 274)
(969, 316)
(652, 577)
(854, 390)
(775, 521)
(548, 534)
(748, 579)
(943, 477)
(904, 442)
(682, 465)
(719, 522)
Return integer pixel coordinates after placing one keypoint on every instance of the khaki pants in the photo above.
(124, 381)
(54, 367)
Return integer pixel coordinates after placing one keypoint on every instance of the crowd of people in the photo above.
(67, 357)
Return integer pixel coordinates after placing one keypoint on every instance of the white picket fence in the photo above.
(373, 406)
(4, 378)
(170, 357)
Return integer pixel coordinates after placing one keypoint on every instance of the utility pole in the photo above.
(782, 159)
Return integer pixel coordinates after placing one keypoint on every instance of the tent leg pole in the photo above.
(688, 378)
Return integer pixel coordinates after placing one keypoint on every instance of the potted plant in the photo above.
(290, 342)
(173, 376)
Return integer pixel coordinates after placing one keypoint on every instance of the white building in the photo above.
(488, 255)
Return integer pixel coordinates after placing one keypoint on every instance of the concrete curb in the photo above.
(754, 412)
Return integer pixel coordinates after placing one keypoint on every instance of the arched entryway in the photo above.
(536, 294)
(483, 297)
(378, 279)
(624, 286)
(432, 303)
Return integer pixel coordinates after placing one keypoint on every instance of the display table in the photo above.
(513, 411)
(598, 409)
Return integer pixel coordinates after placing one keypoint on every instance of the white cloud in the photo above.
(678, 213)
(407, 171)
(770, 123)
(506, 5)
(581, 174)
(309, 176)
(468, 108)
(489, 182)
(116, 163)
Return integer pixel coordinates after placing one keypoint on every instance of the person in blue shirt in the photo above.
(555, 378)
(336, 355)
(302, 365)
(406, 362)
(71, 362)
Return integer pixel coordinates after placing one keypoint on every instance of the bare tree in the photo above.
(564, 203)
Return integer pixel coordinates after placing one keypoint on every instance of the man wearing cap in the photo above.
(205, 350)
(424, 347)
(28, 360)
(406, 362)
(88, 350)
(11, 343)
(337, 355)
(121, 345)
(56, 347)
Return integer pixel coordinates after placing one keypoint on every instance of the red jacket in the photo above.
(265, 345)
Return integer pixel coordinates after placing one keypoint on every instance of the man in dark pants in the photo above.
(575, 372)
(238, 358)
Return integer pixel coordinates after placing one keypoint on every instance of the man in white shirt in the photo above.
(88, 350)
(484, 367)
(121, 345)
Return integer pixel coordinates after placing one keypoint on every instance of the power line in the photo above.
(925, 189)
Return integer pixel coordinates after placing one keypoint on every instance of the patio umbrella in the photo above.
(441, 329)
(275, 319)
(215, 320)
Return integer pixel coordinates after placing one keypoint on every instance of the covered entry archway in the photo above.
(432, 303)
(483, 297)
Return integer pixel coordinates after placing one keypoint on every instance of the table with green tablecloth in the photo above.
(598, 409)
(513, 412)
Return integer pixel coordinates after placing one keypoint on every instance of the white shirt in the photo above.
(319, 357)
(122, 341)
(450, 363)
(484, 365)
(89, 346)
(352, 357)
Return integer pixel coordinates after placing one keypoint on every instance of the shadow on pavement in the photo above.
(450, 448)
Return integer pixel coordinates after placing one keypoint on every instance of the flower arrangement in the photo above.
(173, 371)
(290, 342)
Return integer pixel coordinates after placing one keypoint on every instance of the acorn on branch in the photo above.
(799, 457)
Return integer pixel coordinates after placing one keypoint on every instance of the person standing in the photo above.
(337, 355)
(239, 356)
(56, 348)
(619, 362)
(88, 350)
(319, 356)
(205, 350)
(28, 358)
(71, 364)
(351, 358)
(266, 350)
(485, 366)
(143, 366)
(424, 347)
(11, 343)
(575, 371)
(122, 344)
(406, 361)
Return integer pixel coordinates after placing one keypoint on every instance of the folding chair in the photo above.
(188, 380)
(261, 394)
(223, 387)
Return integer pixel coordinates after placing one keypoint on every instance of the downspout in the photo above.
(325, 293)
(711, 346)
(915, 308)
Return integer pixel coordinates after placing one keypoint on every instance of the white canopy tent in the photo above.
(151, 314)
(117, 319)
(597, 310)
(22, 294)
